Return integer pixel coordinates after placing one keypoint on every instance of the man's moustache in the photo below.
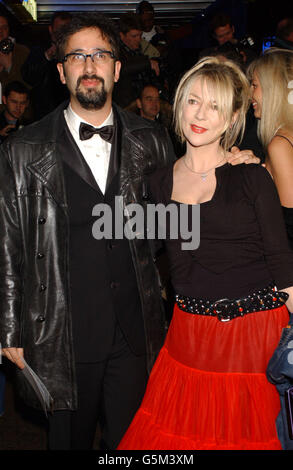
(90, 77)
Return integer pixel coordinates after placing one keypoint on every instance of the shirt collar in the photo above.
(73, 120)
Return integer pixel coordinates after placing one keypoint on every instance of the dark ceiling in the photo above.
(166, 11)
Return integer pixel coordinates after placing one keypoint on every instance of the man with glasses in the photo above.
(84, 312)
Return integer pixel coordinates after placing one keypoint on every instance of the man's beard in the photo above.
(91, 98)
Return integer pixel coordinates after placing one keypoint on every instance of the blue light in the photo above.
(268, 42)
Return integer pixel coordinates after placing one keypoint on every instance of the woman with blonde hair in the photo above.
(271, 77)
(208, 388)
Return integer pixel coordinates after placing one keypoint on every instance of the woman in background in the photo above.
(208, 388)
(271, 78)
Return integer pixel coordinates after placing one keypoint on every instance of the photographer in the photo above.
(40, 71)
(12, 55)
(223, 32)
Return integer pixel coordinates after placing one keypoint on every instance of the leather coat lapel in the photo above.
(48, 170)
(72, 156)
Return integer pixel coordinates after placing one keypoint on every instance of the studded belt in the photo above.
(267, 298)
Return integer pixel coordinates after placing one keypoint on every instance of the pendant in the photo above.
(204, 176)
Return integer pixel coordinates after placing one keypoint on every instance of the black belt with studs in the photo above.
(267, 298)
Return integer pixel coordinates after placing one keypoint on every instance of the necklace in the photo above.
(204, 174)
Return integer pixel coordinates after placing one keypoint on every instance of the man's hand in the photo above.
(51, 52)
(155, 66)
(242, 156)
(14, 355)
(5, 131)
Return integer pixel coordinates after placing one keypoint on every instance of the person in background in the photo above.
(16, 100)
(271, 77)
(284, 34)
(11, 62)
(150, 105)
(208, 388)
(136, 68)
(148, 102)
(40, 71)
(150, 31)
(223, 31)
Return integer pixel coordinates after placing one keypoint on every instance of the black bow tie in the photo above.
(86, 132)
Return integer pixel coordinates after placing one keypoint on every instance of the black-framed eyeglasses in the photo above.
(98, 57)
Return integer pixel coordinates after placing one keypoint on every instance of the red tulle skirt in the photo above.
(208, 388)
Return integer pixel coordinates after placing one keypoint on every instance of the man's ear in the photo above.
(60, 68)
(117, 68)
(4, 99)
(138, 103)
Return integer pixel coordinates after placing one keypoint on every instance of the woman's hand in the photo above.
(238, 156)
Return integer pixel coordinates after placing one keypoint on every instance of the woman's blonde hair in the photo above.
(229, 88)
(274, 70)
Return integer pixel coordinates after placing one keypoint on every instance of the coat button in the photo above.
(41, 318)
(42, 220)
(40, 255)
(42, 287)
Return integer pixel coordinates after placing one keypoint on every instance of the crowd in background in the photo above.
(150, 58)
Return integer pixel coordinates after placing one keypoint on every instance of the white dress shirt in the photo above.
(95, 150)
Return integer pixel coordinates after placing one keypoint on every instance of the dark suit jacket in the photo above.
(102, 276)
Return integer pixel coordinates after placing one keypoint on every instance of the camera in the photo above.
(6, 46)
(247, 41)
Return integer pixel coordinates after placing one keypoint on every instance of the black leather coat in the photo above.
(34, 283)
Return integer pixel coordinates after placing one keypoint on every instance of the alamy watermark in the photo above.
(156, 221)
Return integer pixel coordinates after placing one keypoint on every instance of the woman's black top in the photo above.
(243, 241)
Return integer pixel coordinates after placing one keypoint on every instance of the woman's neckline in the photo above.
(218, 171)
